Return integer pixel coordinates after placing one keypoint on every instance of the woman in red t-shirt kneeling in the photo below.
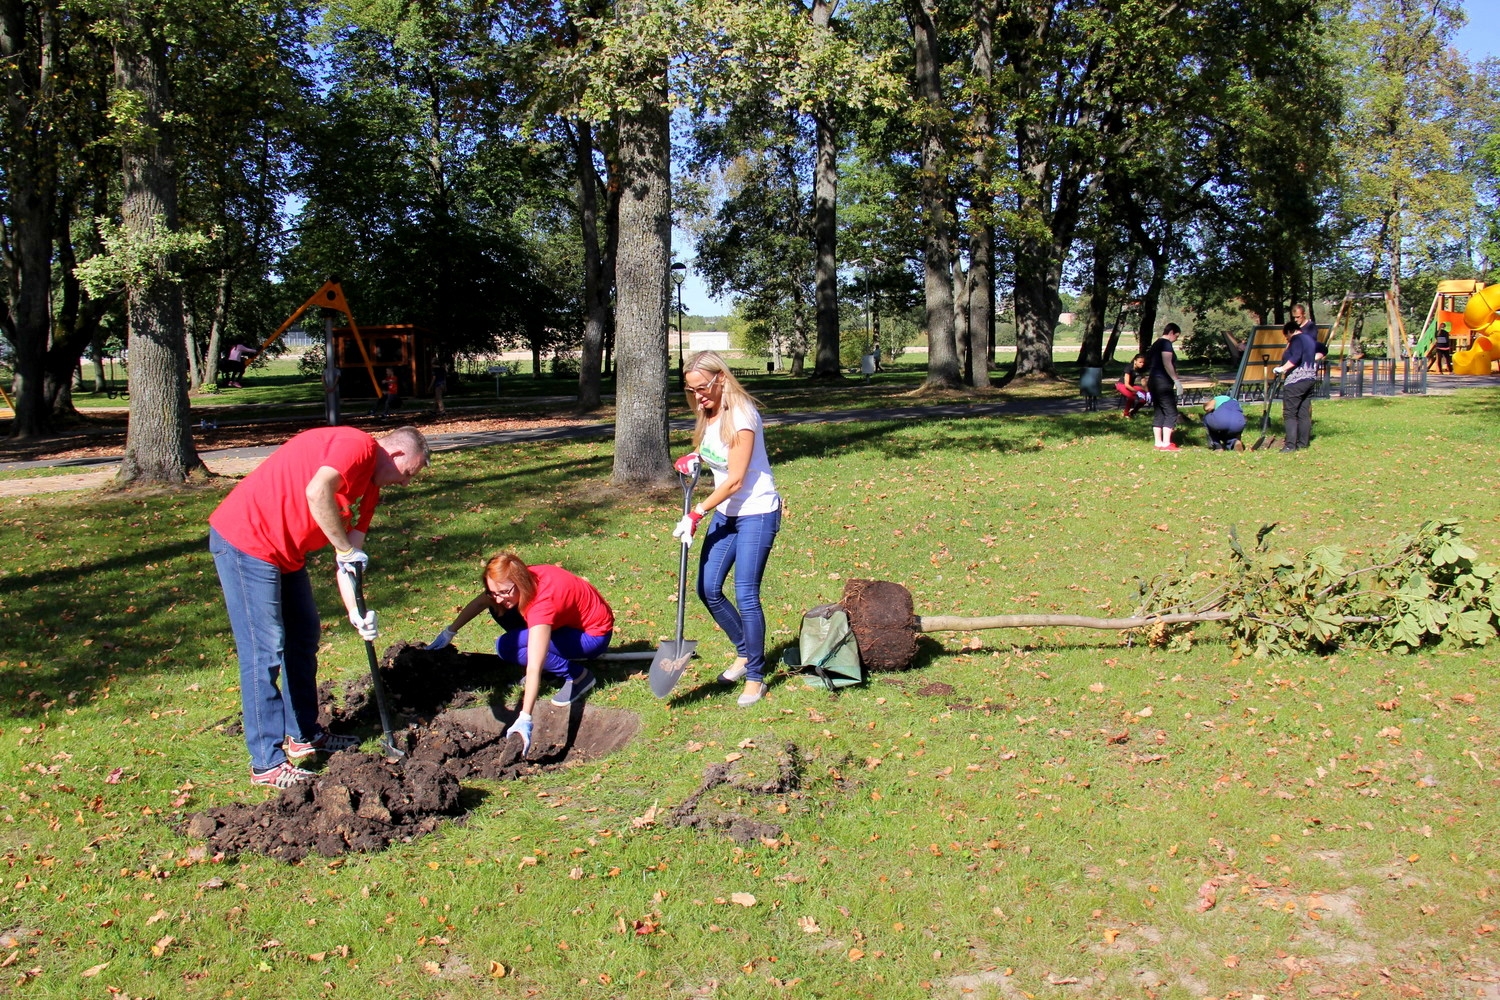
(551, 619)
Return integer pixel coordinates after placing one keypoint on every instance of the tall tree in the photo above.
(158, 444)
(30, 37)
(825, 211)
(937, 216)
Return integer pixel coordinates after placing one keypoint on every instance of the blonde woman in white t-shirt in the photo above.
(730, 440)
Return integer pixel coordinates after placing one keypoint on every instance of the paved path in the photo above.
(240, 461)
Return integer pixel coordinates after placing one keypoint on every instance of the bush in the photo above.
(310, 364)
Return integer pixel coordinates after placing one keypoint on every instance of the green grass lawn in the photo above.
(1054, 826)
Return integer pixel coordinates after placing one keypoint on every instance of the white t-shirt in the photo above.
(757, 494)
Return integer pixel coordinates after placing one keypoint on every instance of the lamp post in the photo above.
(679, 275)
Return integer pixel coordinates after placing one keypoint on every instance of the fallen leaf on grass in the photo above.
(432, 968)
(1110, 933)
(1118, 737)
(1231, 961)
(160, 947)
(809, 925)
(1388, 706)
(114, 776)
(742, 899)
(497, 970)
(158, 915)
(1208, 895)
(1056, 980)
(730, 758)
(90, 973)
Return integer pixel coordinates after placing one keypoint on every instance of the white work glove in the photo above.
(1177, 386)
(521, 727)
(348, 559)
(687, 526)
(365, 626)
(443, 639)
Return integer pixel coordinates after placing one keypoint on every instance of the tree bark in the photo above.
(641, 442)
(158, 442)
(27, 52)
(1091, 353)
(937, 224)
(981, 292)
(826, 362)
(210, 372)
(595, 292)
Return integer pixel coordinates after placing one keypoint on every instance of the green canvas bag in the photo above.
(827, 649)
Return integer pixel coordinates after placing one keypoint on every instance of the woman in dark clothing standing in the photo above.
(1299, 363)
(1161, 363)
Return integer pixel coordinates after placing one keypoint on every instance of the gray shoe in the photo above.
(574, 688)
(733, 675)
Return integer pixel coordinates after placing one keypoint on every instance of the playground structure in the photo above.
(330, 296)
(1471, 312)
(1481, 317)
(406, 349)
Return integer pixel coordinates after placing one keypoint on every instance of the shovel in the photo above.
(1265, 416)
(387, 742)
(672, 658)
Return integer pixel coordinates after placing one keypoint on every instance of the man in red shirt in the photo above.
(320, 487)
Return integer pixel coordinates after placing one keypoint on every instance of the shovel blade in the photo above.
(667, 666)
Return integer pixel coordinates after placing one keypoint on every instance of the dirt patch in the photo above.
(362, 802)
(740, 796)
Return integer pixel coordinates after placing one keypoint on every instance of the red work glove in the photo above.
(687, 464)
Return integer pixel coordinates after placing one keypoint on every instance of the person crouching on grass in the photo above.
(550, 618)
(320, 488)
(730, 439)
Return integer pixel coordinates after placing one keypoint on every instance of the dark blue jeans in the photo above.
(567, 644)
(275, 624)
(742, 543)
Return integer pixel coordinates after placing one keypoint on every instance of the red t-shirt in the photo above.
(267, 515)
(563, 599)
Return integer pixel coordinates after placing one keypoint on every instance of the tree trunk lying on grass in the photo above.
(1425, 589)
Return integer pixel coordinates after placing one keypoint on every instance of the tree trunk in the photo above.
(1091, 354)
(595, 293)
(1037, 309)
(981, 291)
(158, 443)
(210, 372)
(641, 444)
(937, 225)
(27, 51)
(961, 321)
(826, 363)
(1150, 301)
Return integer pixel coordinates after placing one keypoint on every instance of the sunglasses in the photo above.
(704, 389)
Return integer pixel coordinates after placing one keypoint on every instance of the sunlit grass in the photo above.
(1062, 814)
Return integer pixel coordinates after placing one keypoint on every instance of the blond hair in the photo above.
(731, 397)
(507, 567)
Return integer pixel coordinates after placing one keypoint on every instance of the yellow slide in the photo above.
(1482, 315)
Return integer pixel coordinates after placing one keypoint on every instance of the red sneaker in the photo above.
(1167, 447)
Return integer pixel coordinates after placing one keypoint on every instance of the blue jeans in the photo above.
(567, 644)
(275, 624)
(743, 543)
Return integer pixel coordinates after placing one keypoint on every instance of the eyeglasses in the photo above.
(704, 389)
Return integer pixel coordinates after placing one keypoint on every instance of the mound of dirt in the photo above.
(757, 782)
(362, 802)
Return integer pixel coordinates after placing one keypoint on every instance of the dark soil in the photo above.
(771, 782)
(362, 802)
(884, 622)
